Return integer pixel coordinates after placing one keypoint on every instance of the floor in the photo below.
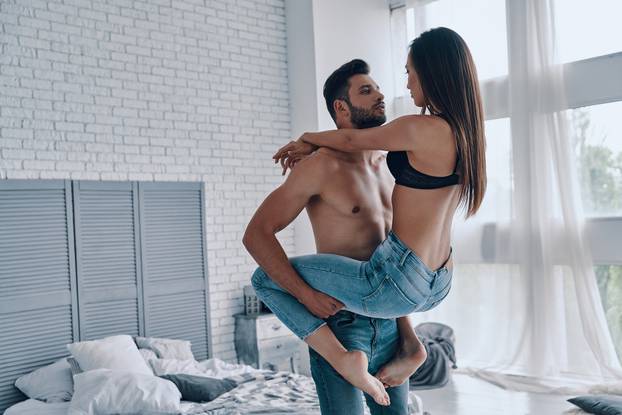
(465, 395)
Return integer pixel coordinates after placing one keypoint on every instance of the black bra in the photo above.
(407, 175)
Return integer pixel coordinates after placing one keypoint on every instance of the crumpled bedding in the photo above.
(438, 340)
(258, 392)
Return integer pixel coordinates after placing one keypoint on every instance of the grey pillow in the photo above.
(74, 366)
(200, 388)
(599, 404)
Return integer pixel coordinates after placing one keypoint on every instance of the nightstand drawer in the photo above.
(261, 340)
(279, 346)
(287, 363)
(269, 328)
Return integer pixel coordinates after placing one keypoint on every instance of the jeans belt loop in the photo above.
(408, 252)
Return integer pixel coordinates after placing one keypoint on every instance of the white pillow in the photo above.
(167, 348)
(51, 383)
(115, 352)
(104, 391)
(147, 355)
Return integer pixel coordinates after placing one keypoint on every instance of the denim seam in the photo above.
(332, 271)
(429, 278)
(445, 287)
(441, 299)
(267, 297)
(324, 385)
(389, 280)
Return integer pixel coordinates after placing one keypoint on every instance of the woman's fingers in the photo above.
(290, 154)
(283, 150)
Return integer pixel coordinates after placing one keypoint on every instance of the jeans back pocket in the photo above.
(388, 301)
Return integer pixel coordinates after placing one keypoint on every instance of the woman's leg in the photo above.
(342, 278)
(409, 357)
(338, 276)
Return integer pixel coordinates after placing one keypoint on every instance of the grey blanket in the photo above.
(438, 340)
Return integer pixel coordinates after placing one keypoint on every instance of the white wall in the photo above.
(349, 29)
(188, 90)
(339, 31)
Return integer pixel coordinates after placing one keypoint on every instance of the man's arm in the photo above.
(277, 211)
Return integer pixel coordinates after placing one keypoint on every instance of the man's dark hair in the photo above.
(337, 85)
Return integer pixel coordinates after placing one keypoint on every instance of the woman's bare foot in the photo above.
(407, 360)
(353, 367)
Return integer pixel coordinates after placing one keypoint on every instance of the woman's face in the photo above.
(413, 84)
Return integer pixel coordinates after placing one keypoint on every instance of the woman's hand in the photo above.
(293, 152)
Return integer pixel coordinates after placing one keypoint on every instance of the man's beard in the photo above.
(365, 118)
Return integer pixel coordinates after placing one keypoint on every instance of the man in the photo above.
(351, 223)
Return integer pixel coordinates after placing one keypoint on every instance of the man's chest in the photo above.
(361, 194)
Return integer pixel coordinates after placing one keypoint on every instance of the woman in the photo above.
(438, 161)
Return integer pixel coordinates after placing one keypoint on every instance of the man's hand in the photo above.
(321, 305)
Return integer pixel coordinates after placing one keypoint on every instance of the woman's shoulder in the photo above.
(428, 128)
(426, 121)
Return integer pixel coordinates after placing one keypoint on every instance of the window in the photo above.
(597, 139)
(585, 30)
(497, 202)
(480, 22)
(609, 278)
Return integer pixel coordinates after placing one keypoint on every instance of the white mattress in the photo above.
(35, 407)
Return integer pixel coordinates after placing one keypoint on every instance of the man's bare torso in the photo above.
(353, 214)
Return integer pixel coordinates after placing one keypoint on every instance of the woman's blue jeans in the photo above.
(393, 283)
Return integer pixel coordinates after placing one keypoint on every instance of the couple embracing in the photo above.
(382, 223)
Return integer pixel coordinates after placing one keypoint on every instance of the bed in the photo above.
(259, 393)
(255, 391)
(263, 393)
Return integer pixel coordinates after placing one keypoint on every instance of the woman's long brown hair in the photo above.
(449, 82)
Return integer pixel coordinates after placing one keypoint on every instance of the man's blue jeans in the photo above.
(379, 339)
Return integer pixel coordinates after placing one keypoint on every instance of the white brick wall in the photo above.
(173, 90)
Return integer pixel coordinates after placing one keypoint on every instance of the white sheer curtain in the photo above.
(532, 320)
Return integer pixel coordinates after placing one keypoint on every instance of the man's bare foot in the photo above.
(407, 360)
(353, 367)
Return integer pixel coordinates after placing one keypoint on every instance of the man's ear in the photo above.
(341, 108)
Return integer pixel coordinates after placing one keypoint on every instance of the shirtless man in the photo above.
(349, 223)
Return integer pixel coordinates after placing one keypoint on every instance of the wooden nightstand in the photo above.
(264, 342)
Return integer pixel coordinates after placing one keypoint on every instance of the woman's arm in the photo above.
(402, 134)
(395, 136)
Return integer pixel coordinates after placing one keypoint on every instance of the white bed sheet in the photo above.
(36, 407)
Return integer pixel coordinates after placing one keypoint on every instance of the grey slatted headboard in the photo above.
(81, 260)
(174, 263)
(37, 279)
(106, 228)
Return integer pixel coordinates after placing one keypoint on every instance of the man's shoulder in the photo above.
(322, 160)
(329, 153)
